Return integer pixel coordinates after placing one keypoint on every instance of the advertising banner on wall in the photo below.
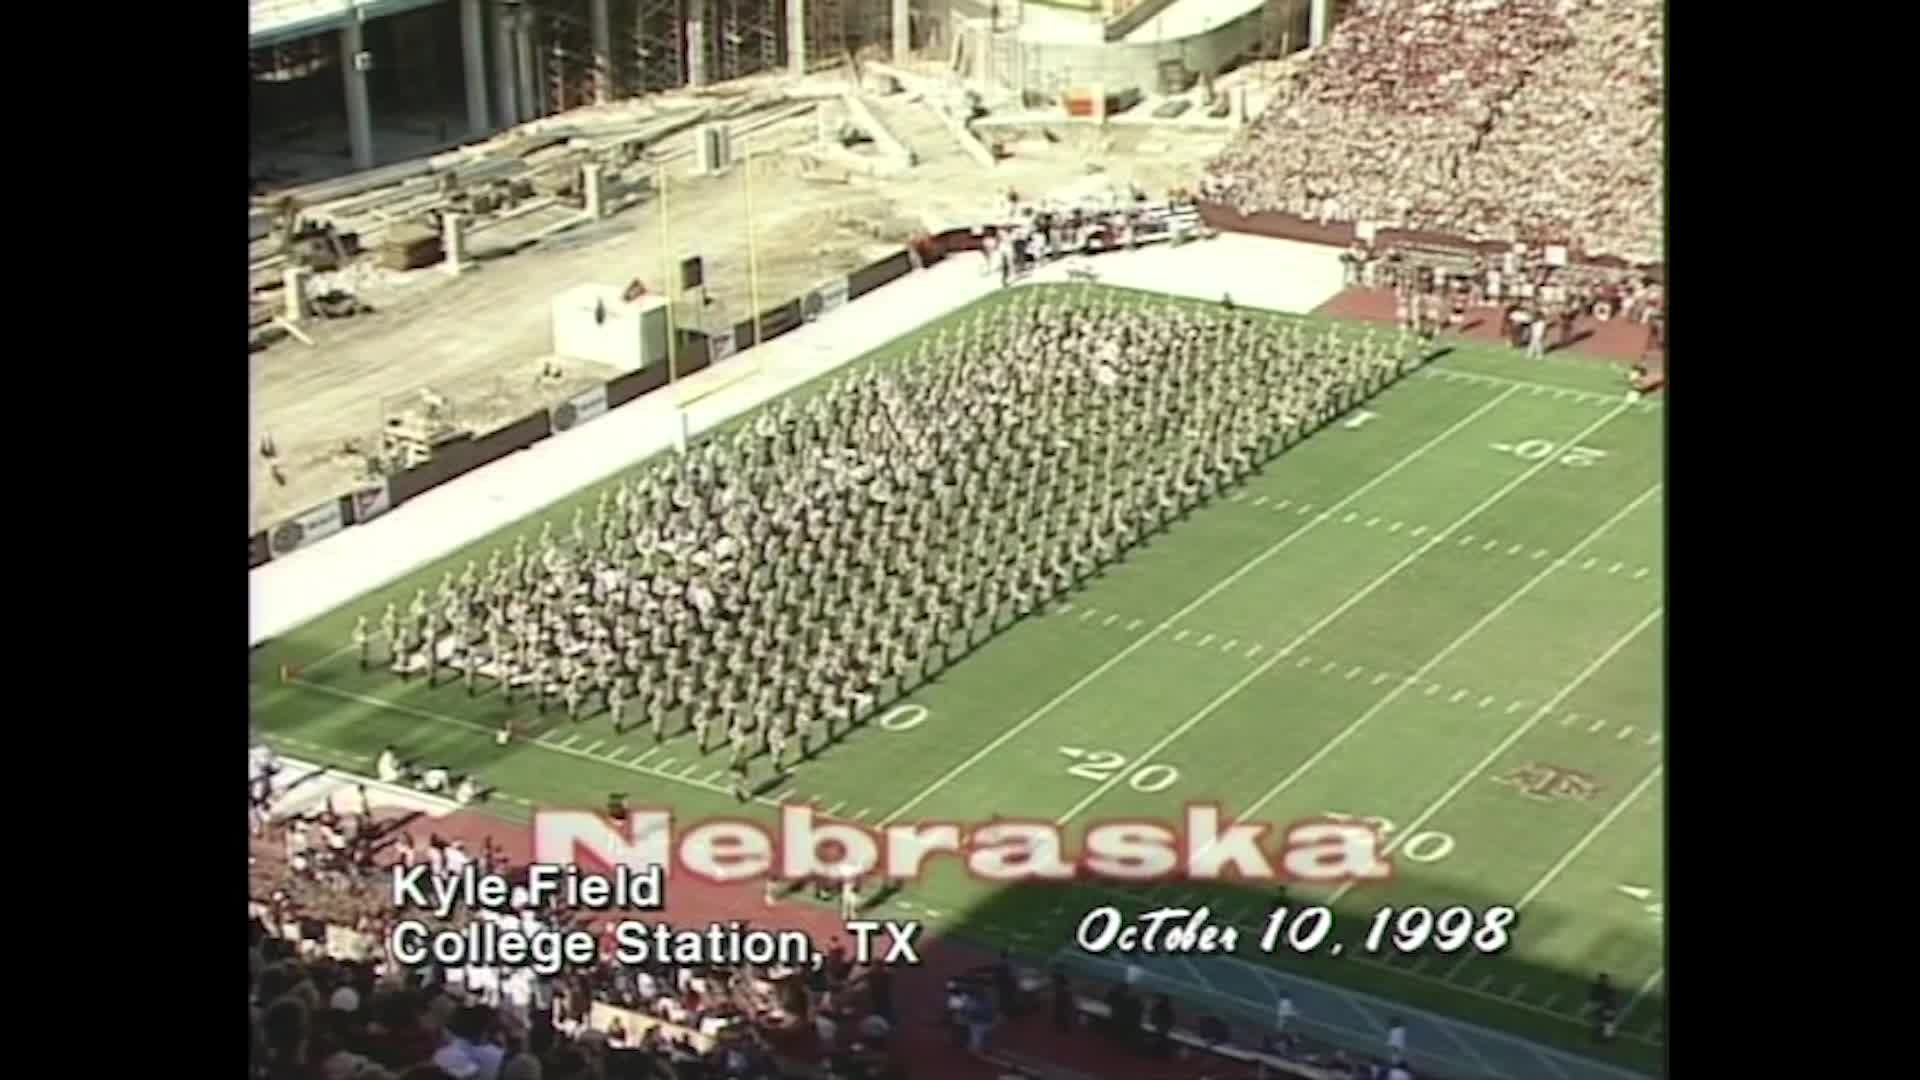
(316, 524)
(579, 409)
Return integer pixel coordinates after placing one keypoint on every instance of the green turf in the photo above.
(1523, 660)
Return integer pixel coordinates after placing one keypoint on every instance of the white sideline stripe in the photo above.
(1627, 1010)
(454, 721)
(1347, 605)
(1517, 733)
(1161, 627)
(1593, 834)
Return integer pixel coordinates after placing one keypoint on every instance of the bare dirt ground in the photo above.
(478, 339)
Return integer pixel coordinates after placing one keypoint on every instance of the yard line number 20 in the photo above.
(1103, 765)
(1421, 847)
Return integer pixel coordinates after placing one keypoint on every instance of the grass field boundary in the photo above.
(1100, 790)
(1191, 606)
(1447, 374)
(1360, 1002)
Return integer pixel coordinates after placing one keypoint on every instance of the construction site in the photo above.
(427, 177)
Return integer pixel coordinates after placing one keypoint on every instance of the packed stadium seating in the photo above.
(1492, 120)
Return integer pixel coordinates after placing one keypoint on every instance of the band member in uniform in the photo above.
(360, 638)
(616, 704)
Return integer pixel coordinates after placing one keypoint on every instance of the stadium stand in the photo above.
(1536, 121)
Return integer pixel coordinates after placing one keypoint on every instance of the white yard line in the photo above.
(1518, 733)
(1168, 623)
(1326, 620)
(1599, 827)
(1627, 1010)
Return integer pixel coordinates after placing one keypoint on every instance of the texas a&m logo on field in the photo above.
(1538, 780)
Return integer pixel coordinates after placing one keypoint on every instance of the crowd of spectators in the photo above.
(1510, 120)
(327, 1004)
(1539, 293)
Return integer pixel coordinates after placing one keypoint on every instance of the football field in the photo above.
(1442, 613)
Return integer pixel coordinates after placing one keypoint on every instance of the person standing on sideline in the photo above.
(1283, 1014)
(1397, 1038)
(1537, 336)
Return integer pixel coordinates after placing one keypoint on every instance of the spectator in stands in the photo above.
(473, 1050)
(1064, 1005)
(1453, 116)
(1160, 1021)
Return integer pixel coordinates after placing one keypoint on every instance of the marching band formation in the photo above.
(767, 590)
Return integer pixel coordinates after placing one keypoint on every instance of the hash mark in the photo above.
(1237, 496)
(1111, 619)
(714, 776)
(1305, 661)
(862, 814)
(1457, 695)
(1640, 573)
(1251, 649)
(1260, 500)
(1380, 678)
(1419, 530)
(1282, 504)
(1624, 732)
(1518, 989)
(1304, 507)
(1490, 545)
(1348, 520)
(1615, 568)
(570, 741)
(1395, 527)
(1372, 521)
(1567, 720)
(1465, 540)
(1182, 635)
(1065, 606)
(1486, 701)
(1539, 553)
(1486, 982)
(1432, 689)
(1134, 625)
(1205, 641)
(1653, 739)
(1086, 614)
(1228, 647)
(1597, 725)
(1515, 707)
(1589, 564)
(1516, 549)
(836, 808)
(1355, 672)
(690, 770)
(1328, 667)
(658, 766)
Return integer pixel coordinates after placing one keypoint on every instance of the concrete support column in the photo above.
(453, 243)
(797, 37)
(902, 31)
(696, 48)
(602, 24)
(1317, 22)
(295, 288)
(523, 51)
(593, 186)
(505, 66)
(353, 42)
(473, 57)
